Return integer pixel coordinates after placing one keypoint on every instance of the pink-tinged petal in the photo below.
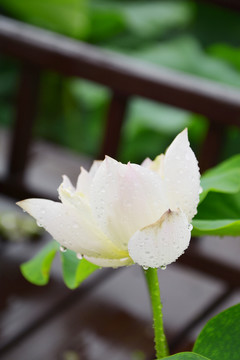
(114, 263)
(67, 227)
(125, 198)
(182, 177)
(161, 243)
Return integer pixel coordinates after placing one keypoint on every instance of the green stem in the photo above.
(161, 346)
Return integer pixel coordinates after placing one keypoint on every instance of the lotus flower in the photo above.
(123, 214)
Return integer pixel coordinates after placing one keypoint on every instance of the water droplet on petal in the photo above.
(79, 256)
(39, 224)
(145, 267)
(63, 249)
(190, 227)
(163, 267)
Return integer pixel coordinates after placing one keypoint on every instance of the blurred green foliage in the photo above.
(183, 35)
(219, 208)
(68, 17)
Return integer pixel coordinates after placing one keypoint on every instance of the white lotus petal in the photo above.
(67, 184)
(83, 182)
(67, 227)
(95, 166)
(110, 262)
(125, 198)
(161, 243)
(78, 204)
(158, 165)
(182, 177)
(146, 163)
(85, 178)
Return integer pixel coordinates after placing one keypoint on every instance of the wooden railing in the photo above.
(39, 49)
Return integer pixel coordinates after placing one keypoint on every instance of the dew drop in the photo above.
(145, 267)
(79, 256)
(190, 227)
(39, 224)
(163, 267)
(63, 249)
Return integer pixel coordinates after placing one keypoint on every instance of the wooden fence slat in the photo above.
(115, 118)
(25, 115)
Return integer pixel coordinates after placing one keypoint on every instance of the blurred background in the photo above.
(191, 37)
(110, 316)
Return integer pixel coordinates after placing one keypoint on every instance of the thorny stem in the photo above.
(161, 345)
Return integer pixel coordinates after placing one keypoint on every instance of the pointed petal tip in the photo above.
(20, 203)
(108, 161)
(183, 134)
(24, 204)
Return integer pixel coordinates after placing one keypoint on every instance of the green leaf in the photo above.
(220, 338)
(224, 178)
(185, 54)
(153, 115)
(226, 52)
(75, 271)
(105, 23)
(64, 16)
(226, 227)
(219, 208)
(37, 269)
(155, 18)
(142, 19)
(186, 356)
(218, 214)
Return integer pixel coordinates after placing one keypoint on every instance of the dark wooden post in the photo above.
(25, 116)
(115, 118)
(212, 146)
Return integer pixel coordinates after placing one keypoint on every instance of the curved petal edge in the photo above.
(161, 243)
